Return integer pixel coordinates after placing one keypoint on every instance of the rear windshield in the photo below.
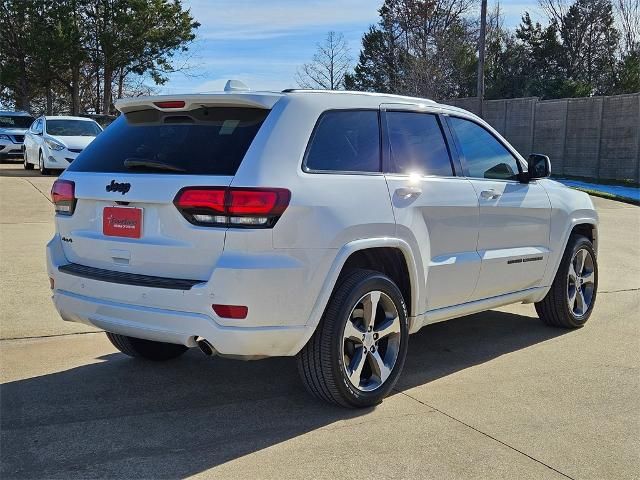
(73, 128)
(204, 141)
(15, 121)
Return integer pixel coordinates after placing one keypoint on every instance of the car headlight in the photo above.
(53, 145)
(4, 137)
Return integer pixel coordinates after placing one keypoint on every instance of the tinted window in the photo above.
(417, 144)
(72, 128)
(484, 155)
(205, 141)
(347, 141)
(37, 128)
(15, 121)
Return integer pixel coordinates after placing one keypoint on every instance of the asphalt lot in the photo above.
(495, 395)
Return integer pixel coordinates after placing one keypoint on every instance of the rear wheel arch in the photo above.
(390, 261)
(337, 269)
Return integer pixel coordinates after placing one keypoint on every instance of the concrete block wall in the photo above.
(495, 113)
(620, 137)
(550, 130)
(582, 142)
(594, 137)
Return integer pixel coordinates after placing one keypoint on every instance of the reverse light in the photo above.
(232, 206)
(237, 312)
(170, 104)
(63, 197)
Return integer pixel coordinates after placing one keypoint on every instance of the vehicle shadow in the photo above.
(121, 417)
(12, 169)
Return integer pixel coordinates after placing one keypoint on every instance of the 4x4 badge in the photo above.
(118, 187)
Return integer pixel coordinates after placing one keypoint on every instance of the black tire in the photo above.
(43, 171)
(321, 361)
(554, 309)
(139, 348)
(25, 164)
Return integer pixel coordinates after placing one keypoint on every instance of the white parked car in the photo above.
(13, 126)
(323, 225)
(52, 143)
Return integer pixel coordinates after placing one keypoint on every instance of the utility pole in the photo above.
(481, 42)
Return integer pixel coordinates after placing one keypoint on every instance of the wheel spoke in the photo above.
(355, 368)
(378, 366)
(580, 302)
(580, 258)
(351, 332)
(370, 304)
(588, 277)
(389, 327)
(572, 272)
(572, 297)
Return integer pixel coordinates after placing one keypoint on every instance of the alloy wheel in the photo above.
(581, 282)
(371, 341)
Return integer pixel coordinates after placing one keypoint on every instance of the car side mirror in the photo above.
(539, 166)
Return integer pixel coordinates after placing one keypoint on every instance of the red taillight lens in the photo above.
(271, 201)
(232, 207)
(63, 197)
(170, 104)
(208, 199)
(237, 312)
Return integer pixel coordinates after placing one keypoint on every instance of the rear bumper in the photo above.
(276, 324)
(178, 327)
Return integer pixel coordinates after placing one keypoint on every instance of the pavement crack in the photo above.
(621, 290)
(485, 434)
(46, 336)
(39, 191)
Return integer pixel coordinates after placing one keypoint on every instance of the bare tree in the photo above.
(628, 13)
(329, 66)
(556, 10)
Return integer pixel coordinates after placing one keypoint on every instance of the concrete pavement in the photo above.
(495, 395)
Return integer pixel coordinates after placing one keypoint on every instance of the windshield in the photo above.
(15, 121)
(203, 141)
(72, 128)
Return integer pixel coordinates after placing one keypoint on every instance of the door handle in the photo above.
(490, 194)
(408, 192)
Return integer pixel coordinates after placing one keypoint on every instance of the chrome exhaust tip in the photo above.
(205, 346)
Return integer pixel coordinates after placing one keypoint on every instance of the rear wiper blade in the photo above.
(146, 163)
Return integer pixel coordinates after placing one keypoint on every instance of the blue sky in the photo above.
(263, 42)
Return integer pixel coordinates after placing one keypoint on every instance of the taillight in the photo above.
(232, 207)
(63, 197)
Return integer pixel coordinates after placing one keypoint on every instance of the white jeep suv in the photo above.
(323, 225)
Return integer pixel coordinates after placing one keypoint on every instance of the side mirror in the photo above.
(539, 166)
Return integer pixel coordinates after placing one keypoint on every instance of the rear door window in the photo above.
(417, 144)
(345, 141)
(204, 141)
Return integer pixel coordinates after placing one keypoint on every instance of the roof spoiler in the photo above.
(175, 103)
